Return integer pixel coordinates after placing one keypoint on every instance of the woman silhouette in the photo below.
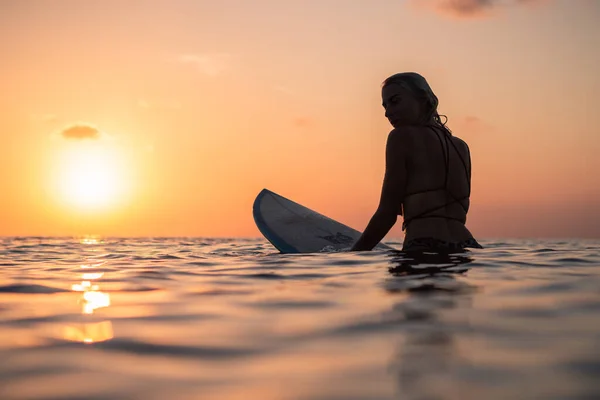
(427, 175)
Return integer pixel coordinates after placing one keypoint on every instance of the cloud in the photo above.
(302, 122)
(466, 8)
(209, 64)
(471, 125)
(80, 132)
(469, 9)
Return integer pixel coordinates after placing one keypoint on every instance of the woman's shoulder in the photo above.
(460, 143)
(404, 133)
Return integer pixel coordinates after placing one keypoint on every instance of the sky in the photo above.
(167, 118)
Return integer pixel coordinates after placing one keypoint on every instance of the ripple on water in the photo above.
(220, 292)
(516, 320)
(146, 348)
(289, 304)
(30, 289)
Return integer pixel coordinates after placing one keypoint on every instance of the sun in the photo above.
(90, 176)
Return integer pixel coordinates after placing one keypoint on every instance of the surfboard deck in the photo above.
(294, 228)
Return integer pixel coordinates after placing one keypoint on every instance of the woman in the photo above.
(428, 173)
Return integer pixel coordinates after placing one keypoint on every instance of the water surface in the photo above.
(198, 318)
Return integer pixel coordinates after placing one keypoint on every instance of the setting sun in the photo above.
(89, 176)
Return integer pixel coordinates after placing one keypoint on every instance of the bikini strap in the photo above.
(446, 155)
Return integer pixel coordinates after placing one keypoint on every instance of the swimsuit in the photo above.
(431, 243)
(438, 245)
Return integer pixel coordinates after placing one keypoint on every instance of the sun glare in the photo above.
(90, 176)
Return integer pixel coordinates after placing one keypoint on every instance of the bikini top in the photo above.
(443, 138)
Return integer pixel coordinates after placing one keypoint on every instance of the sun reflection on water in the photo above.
(89, 333)
(91, 299)
(89, 240)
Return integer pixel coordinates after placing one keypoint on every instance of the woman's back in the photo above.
(438, 187)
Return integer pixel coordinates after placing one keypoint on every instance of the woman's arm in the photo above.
(392, 192)
(379, 225)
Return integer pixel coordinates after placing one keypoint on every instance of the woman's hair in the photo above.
(417, 84)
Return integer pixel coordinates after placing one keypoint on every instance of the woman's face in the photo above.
(401, 106)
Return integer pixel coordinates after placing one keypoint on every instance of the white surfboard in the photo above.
(293, 228)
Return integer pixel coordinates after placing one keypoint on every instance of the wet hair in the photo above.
(418, 85)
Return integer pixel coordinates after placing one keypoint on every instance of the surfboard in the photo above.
(294, 228)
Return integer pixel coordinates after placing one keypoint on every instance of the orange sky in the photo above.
(192, 107)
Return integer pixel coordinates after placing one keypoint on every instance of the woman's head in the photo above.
(409, 100)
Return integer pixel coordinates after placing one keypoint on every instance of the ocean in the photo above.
(202, 318)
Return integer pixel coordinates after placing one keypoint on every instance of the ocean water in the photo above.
(193, 318)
